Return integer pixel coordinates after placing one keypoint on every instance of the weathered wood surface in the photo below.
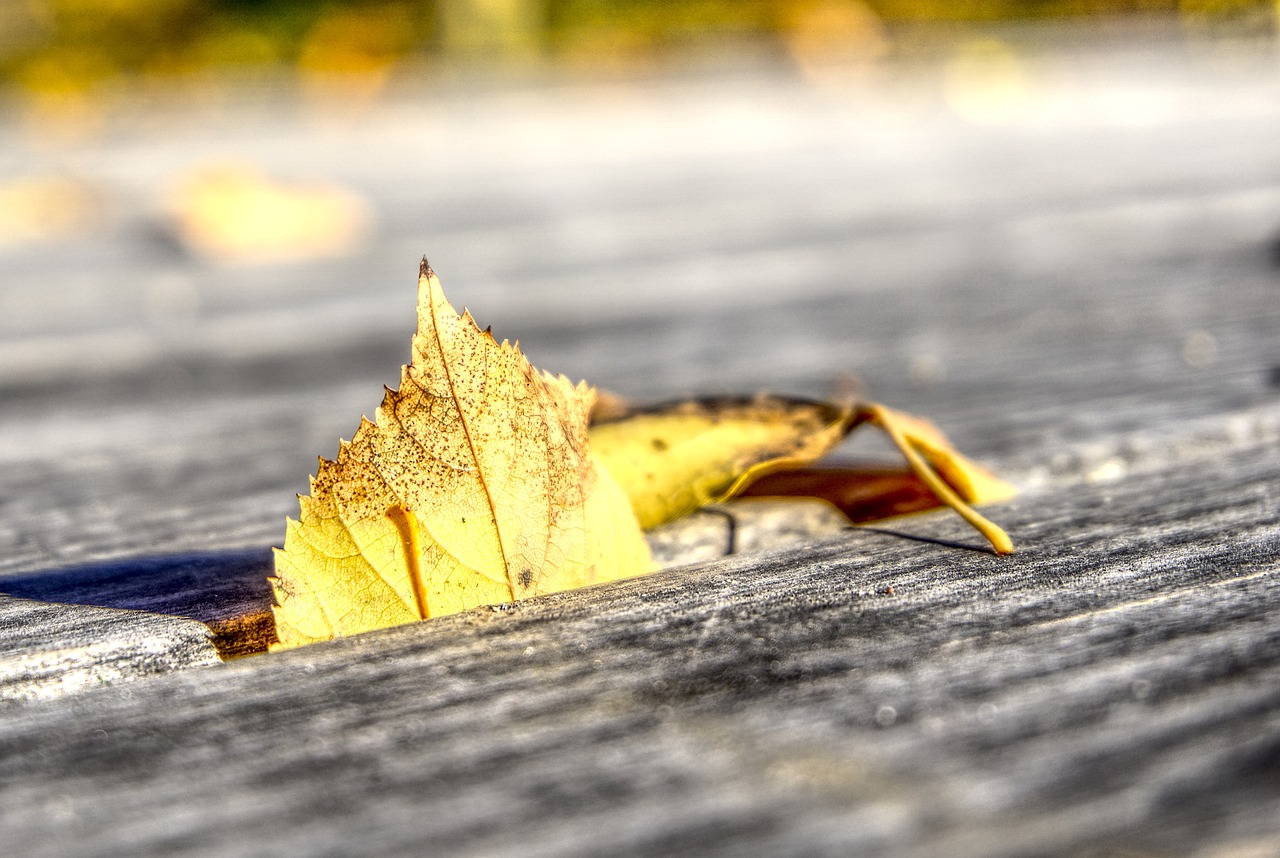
(1114, 687)
(1084, 296)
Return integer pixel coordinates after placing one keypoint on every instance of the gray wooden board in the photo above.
(1113, 687)
(1083, 295)
(228, 595)
(48, 650)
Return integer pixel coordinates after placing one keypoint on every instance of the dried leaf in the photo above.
(474, 485)
(479, 482)
(861, 492)
(671, 460)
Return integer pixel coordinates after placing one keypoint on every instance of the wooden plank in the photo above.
(227, 592)
(1122, 670)
(48, 650)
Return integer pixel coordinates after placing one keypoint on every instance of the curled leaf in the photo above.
(861, 492)
(673, 459)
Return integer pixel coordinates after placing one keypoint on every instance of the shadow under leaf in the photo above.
(225, 590)
(931, 540)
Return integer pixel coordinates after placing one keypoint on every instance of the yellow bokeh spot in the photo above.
(833, 40)
(986, 82)
(43, 208)
(234, 213)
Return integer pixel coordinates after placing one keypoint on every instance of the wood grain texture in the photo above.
(48, 650)
(1120, 671)
(1084, 297)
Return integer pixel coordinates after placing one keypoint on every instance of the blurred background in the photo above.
(70, 62)
(1042, 223)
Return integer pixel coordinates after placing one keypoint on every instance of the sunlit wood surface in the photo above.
(1081, 284)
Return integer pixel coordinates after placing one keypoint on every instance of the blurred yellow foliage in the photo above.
(491, 29)
(68, 92)
(63, 53)
(355, 50)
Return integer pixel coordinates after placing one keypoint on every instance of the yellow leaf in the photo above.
(971, 481)
(473, 485)
(671, 460)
